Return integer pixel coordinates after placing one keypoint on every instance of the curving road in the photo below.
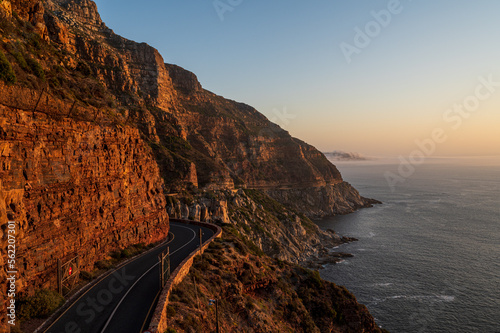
(124, 300)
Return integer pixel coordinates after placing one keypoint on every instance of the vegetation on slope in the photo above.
(260, 294)
(31, 62)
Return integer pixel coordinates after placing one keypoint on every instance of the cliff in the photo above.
(99, 139)
(74, 188)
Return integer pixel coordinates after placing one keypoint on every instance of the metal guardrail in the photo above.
(159, 320)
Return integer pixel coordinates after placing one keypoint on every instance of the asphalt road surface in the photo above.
(124, 301)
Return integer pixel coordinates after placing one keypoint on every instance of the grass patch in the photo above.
(21, 61)
(6, 72)
(40, 305)
(36, 68)
(103, 264)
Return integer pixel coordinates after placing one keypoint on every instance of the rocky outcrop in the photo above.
(204, 210)
(32, 11)
(5, 10)
(322, 201)
(183, 80)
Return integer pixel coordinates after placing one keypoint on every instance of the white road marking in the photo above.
(132, 286)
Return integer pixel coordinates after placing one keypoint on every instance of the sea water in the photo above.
(428, 258)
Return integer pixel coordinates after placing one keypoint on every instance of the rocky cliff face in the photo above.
(321, 201)
(73, 188)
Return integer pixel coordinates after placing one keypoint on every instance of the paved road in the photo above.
(124, 300)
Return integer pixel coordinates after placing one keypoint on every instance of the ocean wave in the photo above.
(434, 298)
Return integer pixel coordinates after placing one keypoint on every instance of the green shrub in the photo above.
(281, 263)
(6, 72)
(171, 311)
(15, 15)
(126, 253)
(246, 228)
(36, 68)
(84, 275)
(116, 255)
(34, 38)
(41, 305)
(54, 82)
(103, 264)
(170, 330)
(21, 61)
(240, 248)
(215, 245)
(313, 279)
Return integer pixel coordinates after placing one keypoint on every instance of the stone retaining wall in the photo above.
(159, 321)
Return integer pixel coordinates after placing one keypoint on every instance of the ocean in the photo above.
(428, 258)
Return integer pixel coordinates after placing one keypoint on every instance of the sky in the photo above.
(381, 78)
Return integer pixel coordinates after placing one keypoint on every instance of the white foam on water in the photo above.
(437, 298)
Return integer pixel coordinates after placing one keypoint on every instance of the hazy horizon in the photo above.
(372, 77)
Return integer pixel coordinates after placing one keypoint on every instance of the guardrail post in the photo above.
(59, 276)
(201, 243)
(160, 258)
(167, 270)
(164, 259)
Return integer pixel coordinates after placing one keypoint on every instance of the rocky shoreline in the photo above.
(329, 255)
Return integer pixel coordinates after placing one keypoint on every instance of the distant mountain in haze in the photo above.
(339, 155)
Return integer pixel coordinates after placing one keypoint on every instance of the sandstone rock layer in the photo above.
(74, 188)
